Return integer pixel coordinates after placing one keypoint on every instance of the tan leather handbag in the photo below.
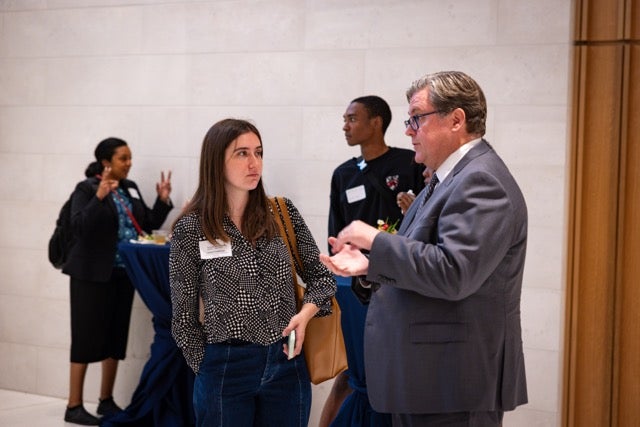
(323, 345)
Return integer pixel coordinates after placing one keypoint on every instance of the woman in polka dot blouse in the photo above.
(228, 257)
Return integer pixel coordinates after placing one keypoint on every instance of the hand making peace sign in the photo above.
(164, 187)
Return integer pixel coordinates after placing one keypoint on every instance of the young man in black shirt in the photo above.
(366, 188)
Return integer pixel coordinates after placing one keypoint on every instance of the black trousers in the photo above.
(455, 419)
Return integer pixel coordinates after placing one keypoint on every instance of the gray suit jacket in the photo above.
(443, 330)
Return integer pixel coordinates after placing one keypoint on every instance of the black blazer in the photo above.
(95, 225)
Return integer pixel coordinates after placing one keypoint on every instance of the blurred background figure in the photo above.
(405, 199)
(106, 208)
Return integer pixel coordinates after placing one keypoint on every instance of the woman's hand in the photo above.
(299, 324)
(107, 184)
(164, 187)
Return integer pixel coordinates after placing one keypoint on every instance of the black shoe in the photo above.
(108, 407)
(78, 415)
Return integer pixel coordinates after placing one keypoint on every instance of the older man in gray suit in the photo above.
(443, 344)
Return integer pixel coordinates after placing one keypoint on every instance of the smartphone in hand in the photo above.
(292, 344)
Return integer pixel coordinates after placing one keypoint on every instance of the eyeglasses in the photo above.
(413, 120)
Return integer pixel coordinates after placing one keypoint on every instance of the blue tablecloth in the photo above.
(356, 410)
(164, 394)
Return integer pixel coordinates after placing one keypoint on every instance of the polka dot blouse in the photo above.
(248, 295)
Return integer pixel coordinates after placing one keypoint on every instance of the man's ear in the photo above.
(458, 120)
(377, 120)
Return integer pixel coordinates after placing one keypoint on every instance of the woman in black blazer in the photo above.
(106, 208)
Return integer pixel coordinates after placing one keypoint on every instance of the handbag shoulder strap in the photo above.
(281, 214)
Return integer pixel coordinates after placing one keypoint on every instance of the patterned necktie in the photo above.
(432, 185)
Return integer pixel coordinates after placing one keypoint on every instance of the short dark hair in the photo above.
(376, 107)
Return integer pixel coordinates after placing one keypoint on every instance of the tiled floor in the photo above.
(19, 409)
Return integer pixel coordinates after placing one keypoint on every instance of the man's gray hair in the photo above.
(449, 90)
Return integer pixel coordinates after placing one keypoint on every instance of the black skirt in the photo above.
(100, 316)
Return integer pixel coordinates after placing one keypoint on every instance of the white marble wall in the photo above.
(159, 73)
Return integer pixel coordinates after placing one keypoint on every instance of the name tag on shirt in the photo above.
(134, 193)
(210, 251)
(356, 194)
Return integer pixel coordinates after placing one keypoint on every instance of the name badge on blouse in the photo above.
(356, 194)
(210, 251)
(134, 193)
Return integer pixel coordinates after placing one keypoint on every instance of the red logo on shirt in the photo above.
(392, 181)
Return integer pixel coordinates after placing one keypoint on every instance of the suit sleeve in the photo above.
(453, 251)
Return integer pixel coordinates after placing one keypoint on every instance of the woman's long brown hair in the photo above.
(210, 198)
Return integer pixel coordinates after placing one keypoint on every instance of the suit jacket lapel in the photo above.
(415, 208)
(411, 213)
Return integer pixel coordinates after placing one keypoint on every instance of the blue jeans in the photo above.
(251, 385)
